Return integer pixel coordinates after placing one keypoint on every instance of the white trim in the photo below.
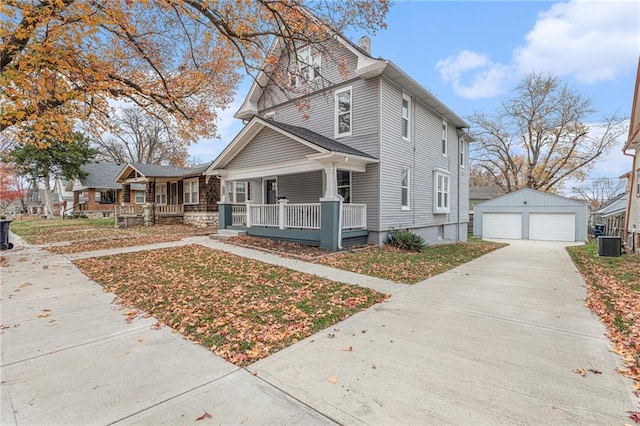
(337, 112)
(407, 98)
(441, 204)
(462, 154)
(408, 188)
(184, 191)
(445, 138)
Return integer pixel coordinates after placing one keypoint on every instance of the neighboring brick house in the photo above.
(377, 152)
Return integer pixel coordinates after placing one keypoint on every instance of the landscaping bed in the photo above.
(241, 309)
(613, 293)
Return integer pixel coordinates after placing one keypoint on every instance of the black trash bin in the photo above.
(4, 235)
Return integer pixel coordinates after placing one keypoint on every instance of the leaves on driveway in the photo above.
(241, 309)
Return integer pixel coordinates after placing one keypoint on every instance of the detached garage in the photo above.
(531, 215)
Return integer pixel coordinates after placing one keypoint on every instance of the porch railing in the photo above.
(239, 215)
(354, 216)
(263, 215)
(169, 209)
(303, 216)
(295, 215)
(129, 210)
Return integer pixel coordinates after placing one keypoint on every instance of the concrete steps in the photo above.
(224, 234)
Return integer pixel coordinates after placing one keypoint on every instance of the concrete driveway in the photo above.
(492, 342)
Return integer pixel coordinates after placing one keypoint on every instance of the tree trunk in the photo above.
(48, 205)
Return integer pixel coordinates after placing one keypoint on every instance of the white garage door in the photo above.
(552, 226)
(502, 225)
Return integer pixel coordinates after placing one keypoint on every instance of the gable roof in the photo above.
(146, 171)
(100, 174)
(367, 67)
(556, 197)
(316, 141)
(484, 192)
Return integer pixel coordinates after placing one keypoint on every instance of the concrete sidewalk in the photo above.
(493, 341)
(69, 357)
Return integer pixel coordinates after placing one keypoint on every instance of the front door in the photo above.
(270, 191)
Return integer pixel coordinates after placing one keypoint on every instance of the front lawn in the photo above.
(241, 309)
(613, 293)
(409, 267)
(95, 234)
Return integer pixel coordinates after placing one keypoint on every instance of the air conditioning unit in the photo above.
(609, 246)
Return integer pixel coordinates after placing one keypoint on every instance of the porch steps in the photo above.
(224, 234)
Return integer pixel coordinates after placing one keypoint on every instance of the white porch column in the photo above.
(282, 212)
(330, 183)
(248, 213)
(223, 190)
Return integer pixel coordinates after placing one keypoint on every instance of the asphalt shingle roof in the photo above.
(154, 170)
(318, 139)
(101, 175)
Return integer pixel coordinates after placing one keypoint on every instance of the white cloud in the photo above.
(487, 79)
(595, 41)
(591, 40)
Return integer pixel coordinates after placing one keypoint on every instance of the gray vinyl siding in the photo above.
(423, 155)
(301, 188)
(269, 147)
(634, 194)
(321, 117)
(333, 56)
(364, 190)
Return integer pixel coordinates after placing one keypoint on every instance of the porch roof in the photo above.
(144, 172)
(328, 151)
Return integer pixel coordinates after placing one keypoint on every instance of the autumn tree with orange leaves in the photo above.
(65, 61)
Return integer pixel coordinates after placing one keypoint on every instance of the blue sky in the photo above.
(470, 54)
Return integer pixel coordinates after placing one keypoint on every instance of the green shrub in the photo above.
(405, 240)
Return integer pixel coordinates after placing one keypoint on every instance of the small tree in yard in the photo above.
(541, 136)
(55, 158)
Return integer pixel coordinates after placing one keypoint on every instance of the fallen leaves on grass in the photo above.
(613, 293)
(282, 248)
(242, 309)
(408, 267)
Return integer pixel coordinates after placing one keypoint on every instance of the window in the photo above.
(309, 67)
(139, 197)
(638, 183)
(161, 194)
(462, 152)
(238, 192)
(343, 112)
(444, 137)
(191, 191)
(442, 193)
(405, 185)
(441, 232)
(344, 185)
(406, 114)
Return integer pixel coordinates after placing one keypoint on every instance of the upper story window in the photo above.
(406, 116)
(462, 152)
(638, 183)
(344, 185)
(445, 130)
(442, 192)
(343, 111)
(309, 67)
(405, 187)
(191, 191)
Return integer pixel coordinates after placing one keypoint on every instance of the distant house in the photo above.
(478, 194)
(378, 152)
(632, 223)
(171, 195)
(611, 216)
(97, 194)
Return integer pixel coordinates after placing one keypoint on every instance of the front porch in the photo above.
(299, 222)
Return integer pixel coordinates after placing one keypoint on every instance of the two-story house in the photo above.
(374, 152)
(632, 225)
